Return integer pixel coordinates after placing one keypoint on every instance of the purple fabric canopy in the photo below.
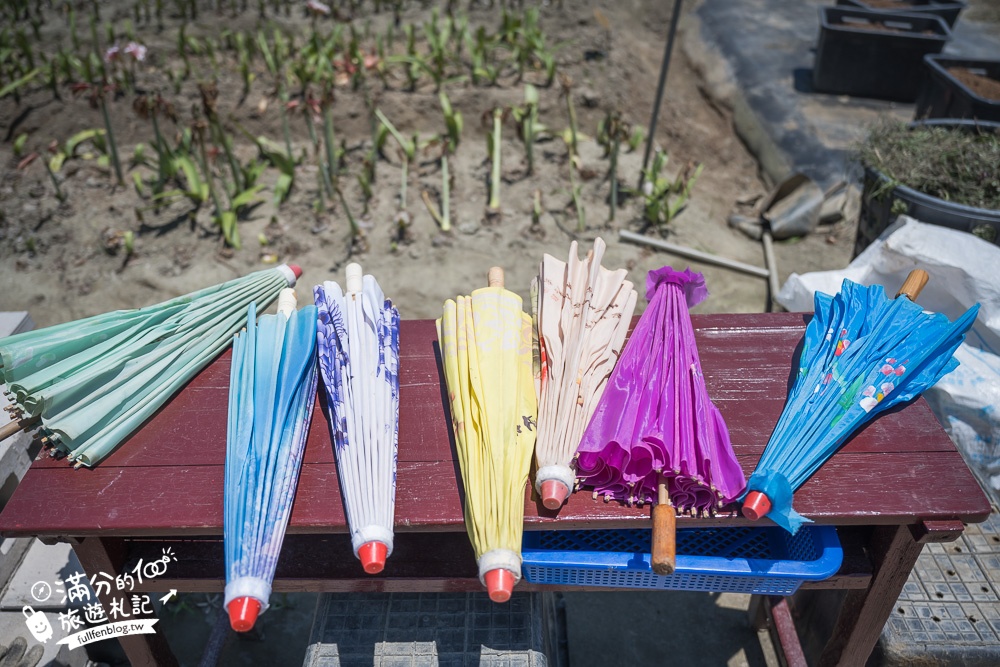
(655, 414)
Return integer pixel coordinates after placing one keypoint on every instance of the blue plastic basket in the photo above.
(765, 561)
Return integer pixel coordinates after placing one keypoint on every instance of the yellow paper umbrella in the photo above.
(486, 350)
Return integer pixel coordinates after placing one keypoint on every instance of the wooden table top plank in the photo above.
(851, 489)
(749, 389)
(168, 475)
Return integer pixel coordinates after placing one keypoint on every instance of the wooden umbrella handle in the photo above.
(664, 556)
(914, 282)
(17, 426)
(495, 277)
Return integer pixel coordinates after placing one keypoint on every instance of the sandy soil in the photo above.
(60, 262)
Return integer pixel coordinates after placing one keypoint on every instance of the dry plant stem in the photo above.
(331, 151)
(285, 129)
(581, 213)
(402, 186)
(443, 219)
(223, 140)
(431, 208)
(60, 195)
(355, 230)
(161, 153)
(572, 126)
(207, 172)
(112, 145)
(615, 146)
(313, 139)
(445, 195)
(495, 187)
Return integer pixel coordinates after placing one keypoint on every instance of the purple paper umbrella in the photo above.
(655, 422)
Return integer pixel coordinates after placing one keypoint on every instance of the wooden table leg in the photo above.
(894, 552)
(99, 554)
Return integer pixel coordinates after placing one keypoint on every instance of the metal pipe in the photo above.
(772, 268)
(704, 257)
(216, 640)
(659, 88)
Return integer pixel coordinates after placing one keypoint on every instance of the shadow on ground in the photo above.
(657, 627)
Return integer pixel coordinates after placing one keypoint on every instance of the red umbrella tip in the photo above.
(500, 584)
(554, 494)
(372, 555)
(296, 269)
(243, 613)
(756, 505)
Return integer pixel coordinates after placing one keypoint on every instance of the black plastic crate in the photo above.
(944, 96)
(949, 11)
(882, 200)
(853, 58)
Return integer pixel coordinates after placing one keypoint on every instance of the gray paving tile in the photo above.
(949, 609)
(427, 630)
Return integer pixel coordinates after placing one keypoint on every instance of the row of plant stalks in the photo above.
(196, 160)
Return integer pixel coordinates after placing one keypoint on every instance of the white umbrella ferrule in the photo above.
(252, 587)
(288, 274)
(559, 473)
(287, 302)
(355, 278)
(500, 559)
(371, 533)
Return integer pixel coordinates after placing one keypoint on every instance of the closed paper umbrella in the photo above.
(358, 345)
(94, 381)
(271, 392)
(863, 353)
(656, 434)
(486, 352)
(582, 315)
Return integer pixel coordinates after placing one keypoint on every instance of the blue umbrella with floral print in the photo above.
(272, 387)
(358, 344)
(863, 354)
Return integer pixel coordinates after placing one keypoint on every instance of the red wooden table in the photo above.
(896, 485)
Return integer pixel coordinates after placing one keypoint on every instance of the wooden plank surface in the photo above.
(168, 476)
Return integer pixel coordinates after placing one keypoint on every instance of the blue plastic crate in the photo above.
(765, 561)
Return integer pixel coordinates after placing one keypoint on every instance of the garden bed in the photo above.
(94, 252)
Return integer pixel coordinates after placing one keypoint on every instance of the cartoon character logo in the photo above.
(38, 624)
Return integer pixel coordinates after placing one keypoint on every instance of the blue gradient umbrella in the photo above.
(863, 354)
(272, 387)
(358, 345)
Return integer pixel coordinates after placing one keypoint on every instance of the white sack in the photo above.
(964, 269)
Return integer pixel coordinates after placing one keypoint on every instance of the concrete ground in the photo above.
(639, 628)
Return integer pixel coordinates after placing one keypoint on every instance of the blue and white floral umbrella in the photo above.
(272, 388)
(863, 353)
(358, 343)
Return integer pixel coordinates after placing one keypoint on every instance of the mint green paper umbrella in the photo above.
(94, 381)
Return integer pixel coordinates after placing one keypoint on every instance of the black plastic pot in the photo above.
(852, 58)
(881, 202)
(949, 11)
(944, 96)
